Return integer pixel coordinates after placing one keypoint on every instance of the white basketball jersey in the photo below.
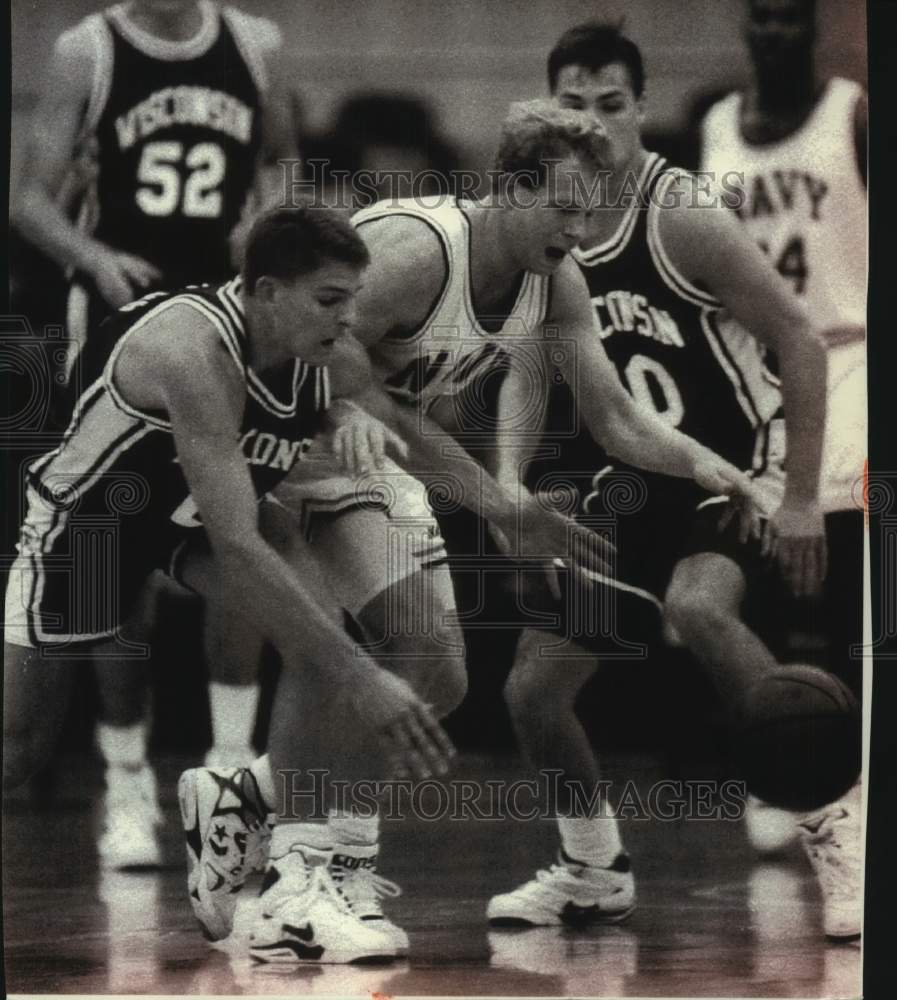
(805, 203)
(451, 348)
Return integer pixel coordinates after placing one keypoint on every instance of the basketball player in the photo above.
(794, 147)
(209, 398)
(451, 290)
(668, 270)
(180, 102)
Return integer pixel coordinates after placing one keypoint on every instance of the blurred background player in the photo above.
(668, 271)
(792, 146)
(181, 106)
(392, 140)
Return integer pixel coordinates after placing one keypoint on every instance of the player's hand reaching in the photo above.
(121, 277)
(555, 537)
(360, 441)
(795, 536)
(721, 478)
(410, 737)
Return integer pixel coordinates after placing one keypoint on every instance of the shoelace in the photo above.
(549, 878)
(257, 854)
(364, 888)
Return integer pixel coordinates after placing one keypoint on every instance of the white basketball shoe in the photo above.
(354, 872)
(131, 819)
(568, 893)
(307, 920)
(831, 839)
(227, 830)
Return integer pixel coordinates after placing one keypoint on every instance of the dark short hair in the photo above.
(596, 44)
(538, 133)
(286, 243)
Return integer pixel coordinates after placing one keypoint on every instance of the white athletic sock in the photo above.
(122, 746)
(285, 834)
(261, 771)
(347, 829)
(233, 708)
(593, 841)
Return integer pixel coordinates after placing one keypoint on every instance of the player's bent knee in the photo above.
(448, 686)
(537, 688)
(693, 612)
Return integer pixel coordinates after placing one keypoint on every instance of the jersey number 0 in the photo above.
(164, 190)
(652, 387)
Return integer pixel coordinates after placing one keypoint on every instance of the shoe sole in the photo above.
(556, 920)
(286, 956)
(209, 920)
(844, 938)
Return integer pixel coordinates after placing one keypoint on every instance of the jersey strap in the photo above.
(617, 243)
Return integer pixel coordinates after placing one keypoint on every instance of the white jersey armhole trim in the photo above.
(618, 242)
(109, 370)
(100, 35)
(448, 250)
(670, 274)
(731, 370)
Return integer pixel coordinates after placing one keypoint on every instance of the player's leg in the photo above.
(592, 880)
(131, 810)
(233, 651)
(228, 813)
(35, 696)
(832, 836)
(392, 579)
(703, 612)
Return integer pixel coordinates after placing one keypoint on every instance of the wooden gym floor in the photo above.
(712, 919)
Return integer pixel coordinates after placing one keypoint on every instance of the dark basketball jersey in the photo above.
(113, 446)
(675, 348)
(178, 132)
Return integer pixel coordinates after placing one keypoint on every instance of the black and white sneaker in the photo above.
(568, 893)
(306, 920)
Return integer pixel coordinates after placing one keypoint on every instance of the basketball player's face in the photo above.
(779, 33)
(555, 218)
(307, 316)
(607, 94)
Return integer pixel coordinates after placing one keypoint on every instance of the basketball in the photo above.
(798, 743)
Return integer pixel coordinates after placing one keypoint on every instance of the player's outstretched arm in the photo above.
(367, 423)
(524, 391)
(180, 366)
(49, 156)
(710, 246)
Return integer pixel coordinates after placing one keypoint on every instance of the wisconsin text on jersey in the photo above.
(629, 313)
(778, 191)
(185, 106)
(261, 448)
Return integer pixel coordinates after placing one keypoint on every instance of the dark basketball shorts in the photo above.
(82, 564)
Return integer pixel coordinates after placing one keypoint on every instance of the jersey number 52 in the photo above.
(164, 188)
